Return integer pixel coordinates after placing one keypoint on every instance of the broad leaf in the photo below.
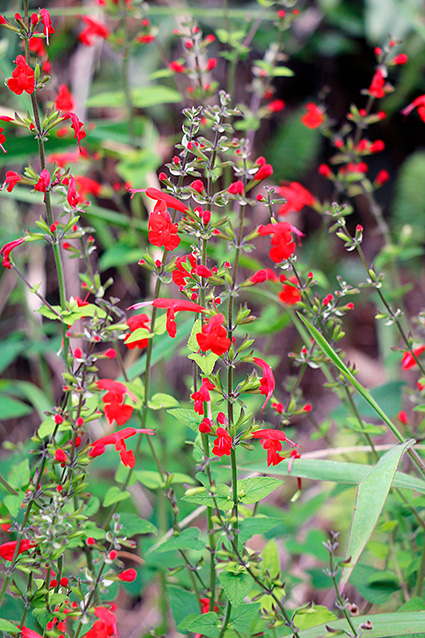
(115, 495)
(205, 363)
(251, 490)
(201, 496)
(188, 539)
(236, 586)
(162, 400)
(313, 616)
(204, 624)
(243, 616)
(132, 524)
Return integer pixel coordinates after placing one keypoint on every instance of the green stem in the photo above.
(421, 574)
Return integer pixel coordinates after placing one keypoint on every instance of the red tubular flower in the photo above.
(382, 177)
(60, 455)
(118, 439)
(128, 575)
(12, 178)
(314, 116)
(64, 100)
(23, 78)
(7, 249)
(376, 88)
(173, 306)
(214, 336)
(87, 186)
(43, 181)
(223, 443)
(105, 627)
(7, 550)
(28, 633)
(282, 242)
(271, 440)
(236, 188)
(401, 58)
(198, 185)
(408, 360)
(267, 382)
(418, 103)
(36, 46)
(79, 134)
(275, 106)
(202, 395)
(289, 295)
(265, 171)
(177, 67)
(263, 275)
(48, 27)
(297, 197)
(169, 200)
(162, 232)
(138, 321)
(180, 274)
(115, 409)
(93, 29)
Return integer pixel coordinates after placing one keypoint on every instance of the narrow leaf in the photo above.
(384, 625)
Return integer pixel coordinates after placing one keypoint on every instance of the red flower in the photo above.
(92, 30)
(7, 550)
(60, 455)
(79, 134)
(7, 249)
(263, 275)
(118, 439)
(173, 306)
(211, 64)
(180, 274)
(128, 575)
(376, 88)
(401, 58)
(28, 633)
(48, 27)
(275, 106)
(223, 443)
(86, 185)
(267, 382)
(198, 185)
(12, 178)
(64, 100)
(43, 181)
(314, 116)
(36, 46)
(265, 171)
(382, 177)
(177, 67)
(169, 200)
(115, 409)
(271, 440)
(282, 242)
(236, 188)
(138, 321)
(297, 197)
(162, 232)
(23, 78)
(105, 627)
(214, 336)
(408, 360)
(202, 395)
(289, 294)
(418, 103)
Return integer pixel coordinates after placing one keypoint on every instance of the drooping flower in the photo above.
(11, 179)
(408, 360)
(47, 23)
(7, 550)
(23, 78)
(169, 200)
(289, 294)
(75, 200)
(418, 103)
(214, 336)
(376, 88)
(202, 395)
(7, 249)
(271, 440)
(314, 116)
(93, 29)
(223, 443)
(138, 321)
(105, 627)
(297, 197)
(162, 232)
(118, 439)
(267, 384)
(79, 134)
(282, 243)
(265, 171)
(64, 100)
(43, 181)
(115, 409)
(173, 306)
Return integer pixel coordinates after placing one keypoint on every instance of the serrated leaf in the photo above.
(236, 586)
(183, 603)
(222, 497)
(313, 616)
(115, 495)
(251, 490)
(187, 539)
(205, 363)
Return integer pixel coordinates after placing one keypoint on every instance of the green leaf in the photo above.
(183, 603)
(243, 616)
(48, 426)
(408, 206)
(201, 496)
(271, 560)
(192, 343)
(372, 493)
(256, 525)
(162, 400)
(142, 97)
(188, 417)
(115, 495)
(132, 524)
(206, 624)
(117, 255)
(336, 471)
(251, 490)
(205, 363)
(13, 503)
(69, 318)
(20, 475)
(91, 507)
(10, 349)
(282, 71)
(313, 616)
(11, 408)
(5, 625)
(384, 625)
(188, 539)
(236, 586)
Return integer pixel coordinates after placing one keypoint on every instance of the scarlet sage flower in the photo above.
(43, 181)
(93, 29)
(275, 106)
(236, 188)
(7, 550)
(28, 633)
(105, 627)
(214, 336)
(289, 294)
(23, 78)
(169, 200)
(173, 306)
(115, 409)
(118, 439)
(408, 361)
(202, 395)
(265, 171)
(180, 274)
(162, 231)
(271, 440)
(128, 575)
(297, 197)
(7, 249)
(73, 197)
(223, 443)
(267, 384)
(138, 321)
(12, 178)
(177, 67)
(64, 100)
(282, 242)
(47, 23)
(36, 46)
(418, 103)
(87, 186)
(377, 85)
(79, 134)
(263, 275)
(314, 116)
